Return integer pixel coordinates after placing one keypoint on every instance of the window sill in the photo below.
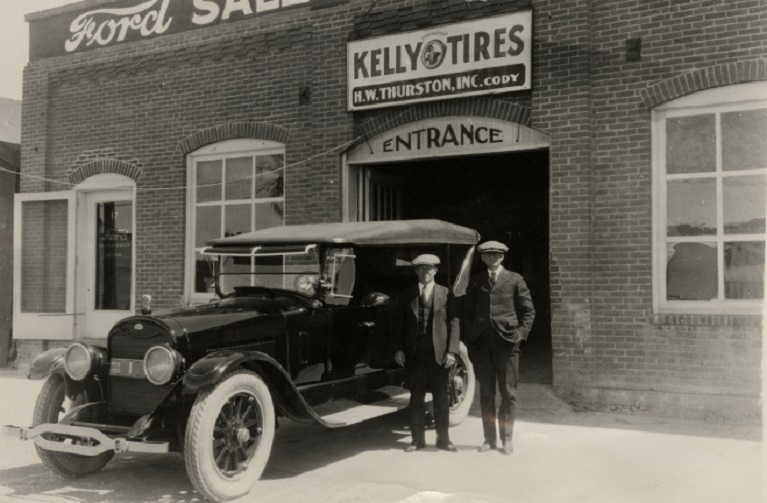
(708, 320)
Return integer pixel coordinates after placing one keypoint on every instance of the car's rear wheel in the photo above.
(51, 405)
(229, 436)
(460, 388)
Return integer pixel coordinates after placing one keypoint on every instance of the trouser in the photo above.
(496, 363)
(425, 375)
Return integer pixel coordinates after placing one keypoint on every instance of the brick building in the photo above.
(617, 147)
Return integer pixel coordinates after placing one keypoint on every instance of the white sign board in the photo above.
(486, 56)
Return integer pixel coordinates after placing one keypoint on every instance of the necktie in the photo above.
(422, 311)
(492, 279)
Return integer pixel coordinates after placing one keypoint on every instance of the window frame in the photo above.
(218, 151)
(720, 100)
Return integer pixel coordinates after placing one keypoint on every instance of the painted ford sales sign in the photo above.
(486, 56)
(104, 23)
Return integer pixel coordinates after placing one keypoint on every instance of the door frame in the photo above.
(90, 323)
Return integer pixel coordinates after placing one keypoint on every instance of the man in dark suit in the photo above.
(426, 338)
(497, 315)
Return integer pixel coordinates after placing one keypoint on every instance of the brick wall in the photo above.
(633, 350)
(136, 103)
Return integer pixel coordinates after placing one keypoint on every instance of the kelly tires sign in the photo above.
(486, 56)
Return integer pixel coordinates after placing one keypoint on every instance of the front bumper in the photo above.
(81, 440)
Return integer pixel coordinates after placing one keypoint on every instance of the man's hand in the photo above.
(448, 360)
(399, 357)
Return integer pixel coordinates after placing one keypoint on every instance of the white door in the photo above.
(105, 261)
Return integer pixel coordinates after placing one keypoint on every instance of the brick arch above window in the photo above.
(724, 74)
(489, 108)
(104, 166)
(233, 131)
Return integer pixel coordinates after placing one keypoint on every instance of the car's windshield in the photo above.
(289, 270)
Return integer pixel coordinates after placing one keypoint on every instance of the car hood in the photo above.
(229, 311)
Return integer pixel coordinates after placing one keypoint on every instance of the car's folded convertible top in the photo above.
(359, 233)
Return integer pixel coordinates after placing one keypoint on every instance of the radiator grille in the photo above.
(130, 395)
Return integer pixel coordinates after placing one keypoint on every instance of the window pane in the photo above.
(237, 219)
(270, 271)
(44, 230)
(208, 224)
(691, 271)
(239, 178)
(114, 255)
(235, 271)
(744, 270)
(744, 204)
(270, 175)
(203, 277)
(208, 181)
(269, 215)
(744, 140)
(691, 207)
(691, 144)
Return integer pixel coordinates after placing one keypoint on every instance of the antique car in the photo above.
(299, 329)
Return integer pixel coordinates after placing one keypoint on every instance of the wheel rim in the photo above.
(458, 381)
(236, 434)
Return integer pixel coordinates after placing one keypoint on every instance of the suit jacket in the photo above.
(507, 307)
(445, 322)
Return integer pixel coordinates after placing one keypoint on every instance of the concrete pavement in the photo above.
(560, 456)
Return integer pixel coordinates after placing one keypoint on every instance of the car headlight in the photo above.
(79, 361)
(161, 364)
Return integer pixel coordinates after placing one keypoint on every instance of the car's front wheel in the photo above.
(51, 405)
(460, 387)
(229, 436)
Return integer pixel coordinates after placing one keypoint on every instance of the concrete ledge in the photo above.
(665, 404)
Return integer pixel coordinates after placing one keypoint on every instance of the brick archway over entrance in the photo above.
(489, 108)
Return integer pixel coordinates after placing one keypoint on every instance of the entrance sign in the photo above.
(491, 55)
(120, 21)
(447, 136)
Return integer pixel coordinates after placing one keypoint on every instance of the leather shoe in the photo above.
(486, 447)
(447, 446)
(507, 448)
(414, 447)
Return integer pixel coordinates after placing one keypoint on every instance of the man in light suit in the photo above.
(497, 315)
(426, 337)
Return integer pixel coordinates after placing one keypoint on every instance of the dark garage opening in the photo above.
(506, 198)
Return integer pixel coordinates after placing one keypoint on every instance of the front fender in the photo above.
(214, 367)
(47, 363)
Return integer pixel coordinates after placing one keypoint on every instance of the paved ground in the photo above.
(560, 456)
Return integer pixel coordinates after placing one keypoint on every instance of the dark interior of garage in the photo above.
(506, 198)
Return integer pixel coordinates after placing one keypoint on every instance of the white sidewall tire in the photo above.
(198, 442)
(459, 413)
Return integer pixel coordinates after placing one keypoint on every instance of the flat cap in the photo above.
(426, 259)
(492, 247)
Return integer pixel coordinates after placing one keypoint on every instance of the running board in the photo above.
(344, 412)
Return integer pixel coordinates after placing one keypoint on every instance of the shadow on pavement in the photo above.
(131, 478)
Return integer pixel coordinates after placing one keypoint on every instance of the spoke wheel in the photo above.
(52, 404)
(460, 387)
(229, 436)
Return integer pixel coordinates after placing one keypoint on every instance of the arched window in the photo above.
(710, 181)
(235, 186)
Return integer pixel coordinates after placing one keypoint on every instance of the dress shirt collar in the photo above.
(497, 272)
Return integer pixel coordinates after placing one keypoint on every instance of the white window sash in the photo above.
(724, 101)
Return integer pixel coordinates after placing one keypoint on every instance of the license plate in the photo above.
(127, 368)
